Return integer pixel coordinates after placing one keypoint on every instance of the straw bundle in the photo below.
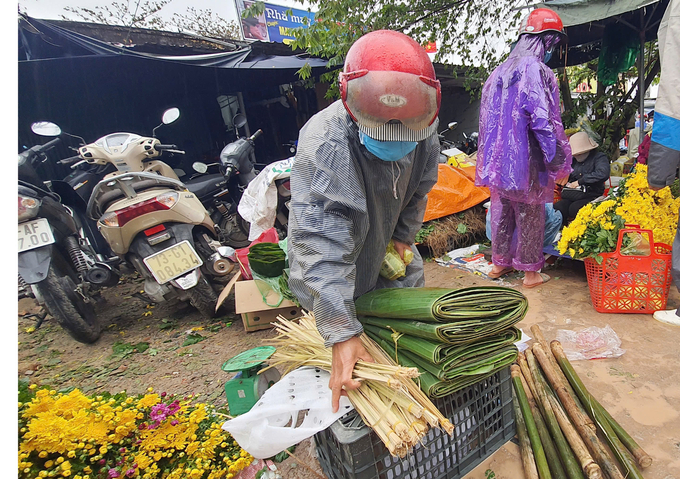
(388, 401)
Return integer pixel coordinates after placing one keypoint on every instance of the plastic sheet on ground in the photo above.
(470, 259)
(590, 343)
(455, 191)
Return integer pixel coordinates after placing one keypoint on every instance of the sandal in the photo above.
(544, 277)
(506, 270)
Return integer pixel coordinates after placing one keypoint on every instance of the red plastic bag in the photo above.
(269, 236)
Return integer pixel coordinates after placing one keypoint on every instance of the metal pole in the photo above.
(641, 75)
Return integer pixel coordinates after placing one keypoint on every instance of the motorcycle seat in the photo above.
(206, 185)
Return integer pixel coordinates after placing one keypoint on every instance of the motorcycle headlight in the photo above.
(28, 208)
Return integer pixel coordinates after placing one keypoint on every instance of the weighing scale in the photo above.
(246, 388)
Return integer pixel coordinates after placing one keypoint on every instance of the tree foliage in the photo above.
(147, 14)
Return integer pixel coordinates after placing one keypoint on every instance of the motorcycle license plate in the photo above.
(34, 234)
(172, 262)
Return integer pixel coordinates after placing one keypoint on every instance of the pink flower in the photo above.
(130, 472)
(174, 422)
(113, 473)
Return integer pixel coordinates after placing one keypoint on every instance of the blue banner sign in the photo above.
(275, 24)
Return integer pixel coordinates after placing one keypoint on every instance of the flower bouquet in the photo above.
(110, 436)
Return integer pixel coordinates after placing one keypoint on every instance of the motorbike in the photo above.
(153, 222)
(59, 262)
(221, 190)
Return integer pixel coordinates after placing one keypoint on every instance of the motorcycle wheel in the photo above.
(203, 298)
(68, 308)
(234, 230)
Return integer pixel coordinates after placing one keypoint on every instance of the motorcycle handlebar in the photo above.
(256, 135)
(49, 144)
(161, 147)
(68, 161)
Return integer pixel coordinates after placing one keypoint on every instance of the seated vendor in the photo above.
(587, 181)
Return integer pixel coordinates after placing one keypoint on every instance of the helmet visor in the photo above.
(379, 97)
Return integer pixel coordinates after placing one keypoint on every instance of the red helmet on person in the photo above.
(541, 20)
(389, 87)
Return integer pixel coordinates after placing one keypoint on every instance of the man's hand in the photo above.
(573, 184)
(400, 247)
(345, 356)
(656, 188)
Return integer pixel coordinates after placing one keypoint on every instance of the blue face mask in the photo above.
(387, 150)
(547, 56)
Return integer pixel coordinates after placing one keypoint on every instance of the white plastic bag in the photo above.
(590, 343)
(269, 427)
(259, 201)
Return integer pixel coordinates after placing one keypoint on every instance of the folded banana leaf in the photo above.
(458, 332)
(429, 383)
(447, 356)
(474, 304)
(267, 259)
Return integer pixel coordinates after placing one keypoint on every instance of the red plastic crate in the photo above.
(630, 283)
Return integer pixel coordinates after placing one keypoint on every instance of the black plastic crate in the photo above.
(483, 418)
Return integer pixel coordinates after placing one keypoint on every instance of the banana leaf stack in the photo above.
(267, 259)
(455, 337)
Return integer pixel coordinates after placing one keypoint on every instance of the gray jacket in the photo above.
(343, 212)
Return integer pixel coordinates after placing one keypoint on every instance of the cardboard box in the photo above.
(256, 314)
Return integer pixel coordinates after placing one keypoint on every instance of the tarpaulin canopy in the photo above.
(455, 191)
(40, 40)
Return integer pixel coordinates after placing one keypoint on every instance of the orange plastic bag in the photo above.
(454, 192)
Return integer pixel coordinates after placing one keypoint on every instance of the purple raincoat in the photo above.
(522, 144)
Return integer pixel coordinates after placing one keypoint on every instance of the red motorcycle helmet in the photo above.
(389, 88)
(542, 20)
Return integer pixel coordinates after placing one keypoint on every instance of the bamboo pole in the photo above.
(528, 460)
(597, 449)
(578, 445)
(643, 459)
(569, 449)
(551, 452)
(536, 445)
(524, 366)
(582, 414)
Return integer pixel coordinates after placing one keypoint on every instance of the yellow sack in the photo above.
(392, 266)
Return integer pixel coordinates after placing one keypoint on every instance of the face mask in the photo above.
(582, 157)
(387, 150)
(547, 56)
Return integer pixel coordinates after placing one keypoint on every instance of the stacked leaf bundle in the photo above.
(389, 401)
(267, 259)
(560, 424)
(455, 337)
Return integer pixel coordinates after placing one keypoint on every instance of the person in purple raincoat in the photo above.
(522, 147)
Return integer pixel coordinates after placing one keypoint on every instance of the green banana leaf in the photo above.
(459, 332)
(478, 304)
(447, 356)
(435, 387)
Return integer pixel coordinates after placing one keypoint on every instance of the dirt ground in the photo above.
(641, 389)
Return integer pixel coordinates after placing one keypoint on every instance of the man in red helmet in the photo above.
(522, 147)
(362, 171)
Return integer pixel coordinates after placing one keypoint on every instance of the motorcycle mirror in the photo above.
(45, 128)
(240, 120)
(452, 125)
(200, 167)
(170, 116)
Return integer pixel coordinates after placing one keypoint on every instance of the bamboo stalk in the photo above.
(524, 366)
(578, 445)
(532, 431)
(643, 459)
(582, 414)
(573, 467)
(597, 449)
(528, 460)
(551, 453)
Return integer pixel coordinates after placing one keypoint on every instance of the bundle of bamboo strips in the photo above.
(388, 401)
(560, 423)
